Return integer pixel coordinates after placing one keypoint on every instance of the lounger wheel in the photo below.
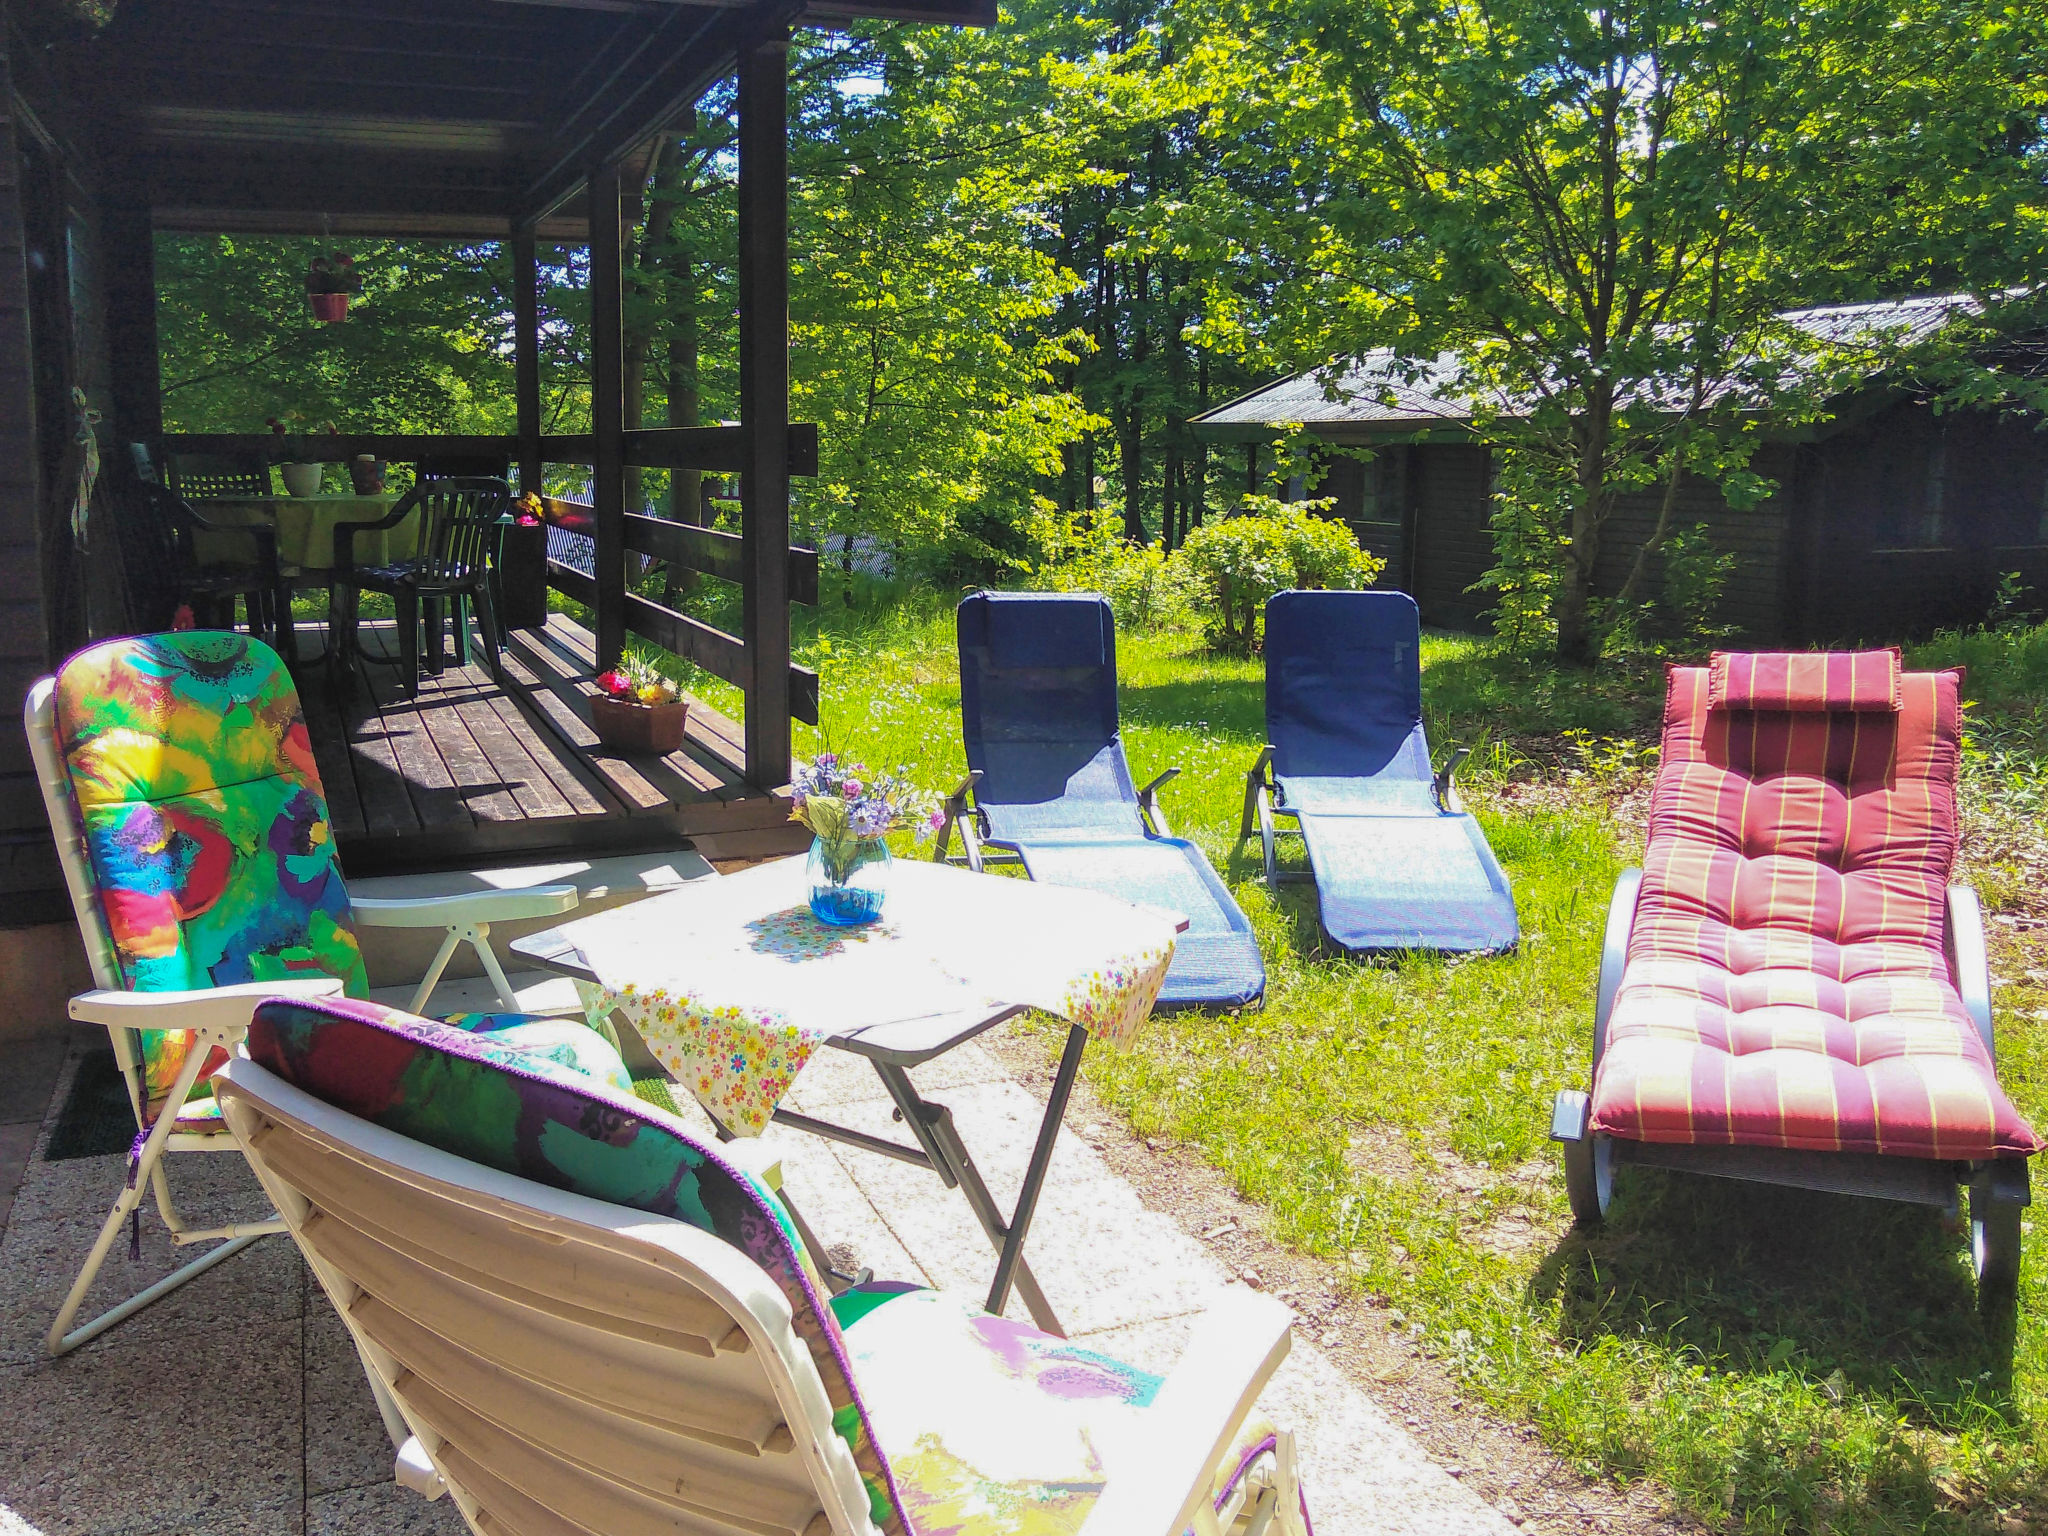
(1995, 1248)
(1582, 1184)
(1588, 1159)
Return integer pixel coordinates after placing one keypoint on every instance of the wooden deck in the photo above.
(474, 769)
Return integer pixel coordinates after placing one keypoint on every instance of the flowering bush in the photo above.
(636, 682)
(844, 805)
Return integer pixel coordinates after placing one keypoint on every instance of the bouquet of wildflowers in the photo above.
(634, 681)
(845, 805)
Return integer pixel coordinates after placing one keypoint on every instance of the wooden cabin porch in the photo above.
(474, 769)
(470, 120)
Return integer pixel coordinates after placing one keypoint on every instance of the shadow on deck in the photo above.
(474, 768)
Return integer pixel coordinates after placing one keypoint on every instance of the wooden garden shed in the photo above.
(512, 120)
(1889, 519)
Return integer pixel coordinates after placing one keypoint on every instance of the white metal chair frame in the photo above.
(465, 1288)
(219, 1016)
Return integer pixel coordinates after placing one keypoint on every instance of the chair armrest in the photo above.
(262, 535)
(1969, 962)
(1257, 778)
(1148, 802)
(960, 811)
(463, 907)
(1446, 793)
(222, 1011)
(1160, 1474)
(1621, 922)
(345, 533)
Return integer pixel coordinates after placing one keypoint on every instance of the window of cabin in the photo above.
(1896, 472)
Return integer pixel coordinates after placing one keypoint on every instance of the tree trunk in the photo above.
(1578, 643)
(1136, 296)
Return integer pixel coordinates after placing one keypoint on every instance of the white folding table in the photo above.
(892, 1048)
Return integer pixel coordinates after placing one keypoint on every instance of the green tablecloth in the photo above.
(305, 528)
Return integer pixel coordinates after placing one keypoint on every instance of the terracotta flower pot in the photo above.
(626, 725)
(328, 308)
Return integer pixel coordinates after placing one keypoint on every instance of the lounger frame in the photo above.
(1999, 1188)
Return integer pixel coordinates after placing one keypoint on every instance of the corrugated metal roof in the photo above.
(1382, 387)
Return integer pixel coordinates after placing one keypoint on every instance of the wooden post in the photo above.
(526, 354)
(135, 377)
(607, 416)
(764, 405)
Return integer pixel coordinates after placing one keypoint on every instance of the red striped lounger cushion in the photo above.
(1786, 983)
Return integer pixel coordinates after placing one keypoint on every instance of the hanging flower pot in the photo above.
(330, 280)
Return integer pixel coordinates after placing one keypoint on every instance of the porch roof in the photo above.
(455, 118)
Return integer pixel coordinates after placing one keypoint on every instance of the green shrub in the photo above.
(1236, 563)
(1146, 587)
(1695, 573)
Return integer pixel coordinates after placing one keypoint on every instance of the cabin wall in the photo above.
(1753, 600)
(27, 859)
(1450, 493)
(1886, 529)
(1912, 519)
(52, 338)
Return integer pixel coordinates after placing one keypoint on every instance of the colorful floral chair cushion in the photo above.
(991, 1427)
(1787, 984)
(192, 778)
(509, 1108)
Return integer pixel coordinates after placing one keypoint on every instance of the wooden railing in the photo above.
(709, 551)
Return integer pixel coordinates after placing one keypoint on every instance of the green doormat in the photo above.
(96, 1118)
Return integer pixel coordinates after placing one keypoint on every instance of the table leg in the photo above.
(1034, 1176)
(933, 1126)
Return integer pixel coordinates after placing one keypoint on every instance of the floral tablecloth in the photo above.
(733, 984)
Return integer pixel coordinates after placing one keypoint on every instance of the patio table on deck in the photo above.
(305, 527)
(736, 970)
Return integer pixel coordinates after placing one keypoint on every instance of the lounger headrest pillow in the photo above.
(1805, 682)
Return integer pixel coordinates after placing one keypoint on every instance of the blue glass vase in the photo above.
(849, 879)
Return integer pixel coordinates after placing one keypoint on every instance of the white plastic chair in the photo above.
(563, 1364)
(218, 1016)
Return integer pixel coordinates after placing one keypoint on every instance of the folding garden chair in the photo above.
(1397, 861)
(590, 1321)
(1048, 782)
(1790, 991)
(193, 833)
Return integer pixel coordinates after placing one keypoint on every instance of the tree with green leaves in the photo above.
(1599, 212)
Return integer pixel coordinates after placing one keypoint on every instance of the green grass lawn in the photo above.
(1780, 1361)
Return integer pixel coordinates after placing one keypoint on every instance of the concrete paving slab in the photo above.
(39, 1258)
(347, 1445)
(386, 1510)
(1361, 1471)
(1101, 1257)
(200, 1433)
(28, 1073)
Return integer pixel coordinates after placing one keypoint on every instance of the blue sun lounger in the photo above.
(1398, 863)
(1048, 782)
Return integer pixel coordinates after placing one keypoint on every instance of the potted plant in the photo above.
(521, 568)
(330, 280)
(366, 474)
(850, 812)
(302, 475)
(638, 710)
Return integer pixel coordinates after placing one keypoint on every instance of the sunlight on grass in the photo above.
(1780, 1361)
